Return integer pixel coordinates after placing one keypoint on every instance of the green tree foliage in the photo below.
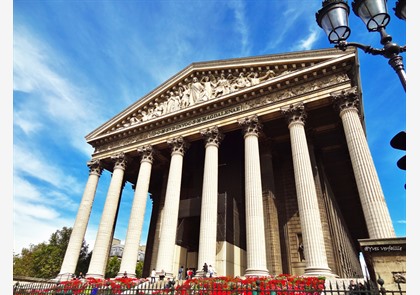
(139, 269)
(112, 267)
(44, 260)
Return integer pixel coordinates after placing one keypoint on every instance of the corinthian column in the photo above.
(68, 267)
(135, 224)
(254, 210)
(208, 219)
(375, 210)
(103, 240)
(171, 208)
(312, 235)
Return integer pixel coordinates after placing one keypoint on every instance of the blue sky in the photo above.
(76, 64)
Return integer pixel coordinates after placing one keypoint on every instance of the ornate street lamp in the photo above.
(333, 19)
(400, 9)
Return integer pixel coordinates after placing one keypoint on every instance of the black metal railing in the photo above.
(178, 288)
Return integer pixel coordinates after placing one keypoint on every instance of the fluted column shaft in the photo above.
(312, 234)
(104, 236)
(135, 225)
(74, 246)
(271, 221)
(208, 219)
(254, 210)
(170, 213)
(373, 202)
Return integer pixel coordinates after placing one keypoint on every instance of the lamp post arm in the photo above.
(390, 51)
(366, 48)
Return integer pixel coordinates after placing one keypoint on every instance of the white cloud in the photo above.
(36, 227)
(65, 107)
(241, 25)
(307, 42)
(31, 162)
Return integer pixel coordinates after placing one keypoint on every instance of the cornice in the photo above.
(282, 88)
(280, 63)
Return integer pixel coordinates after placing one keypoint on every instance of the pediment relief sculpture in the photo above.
(200, 89)
(236, 108)
(196, 86)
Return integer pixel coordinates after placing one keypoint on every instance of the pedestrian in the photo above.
(153, 276)
(211, 270)
(169, 284)
(125, 275)
(180, 272)
(189, 274)
(162, 275)
(352, 287)
(205, 269)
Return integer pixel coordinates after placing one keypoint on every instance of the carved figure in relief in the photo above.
(158, 110)
(255, 79)
(144, 116)
(341, 77)
(149, 114)
(184, 93)
(222, 86)
(208, 89)
(242, 81)
(134, 120)
(196, 91)
(173, 102)
(287, 93)
(164, 107)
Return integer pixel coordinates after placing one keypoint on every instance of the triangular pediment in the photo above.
(200, 84)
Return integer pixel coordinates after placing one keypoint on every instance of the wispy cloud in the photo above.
(294, 21)
(240, 25)
(307, 43)
(65, 106)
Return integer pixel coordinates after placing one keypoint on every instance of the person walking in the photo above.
(153, 276)
(180, 272)
(189, 274)
(205, 269)
(211, 270)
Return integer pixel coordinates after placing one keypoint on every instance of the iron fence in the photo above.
(176, 288)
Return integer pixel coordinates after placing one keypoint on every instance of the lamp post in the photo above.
(333, 19)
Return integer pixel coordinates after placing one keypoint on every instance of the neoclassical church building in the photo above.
(257, 166)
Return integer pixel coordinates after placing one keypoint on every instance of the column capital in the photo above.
(120, 161)
(250, 125)
(295, 113)
(346, 99)
(212, 136)
(146, 152)
(178, 145)
(95, 167)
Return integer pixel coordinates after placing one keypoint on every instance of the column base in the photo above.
(319, 271)
(200, 274)
(64, 277)
(129, 275)
(95, 276)
(256, 273)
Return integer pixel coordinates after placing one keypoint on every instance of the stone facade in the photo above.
(255, 165)
(386, 260)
